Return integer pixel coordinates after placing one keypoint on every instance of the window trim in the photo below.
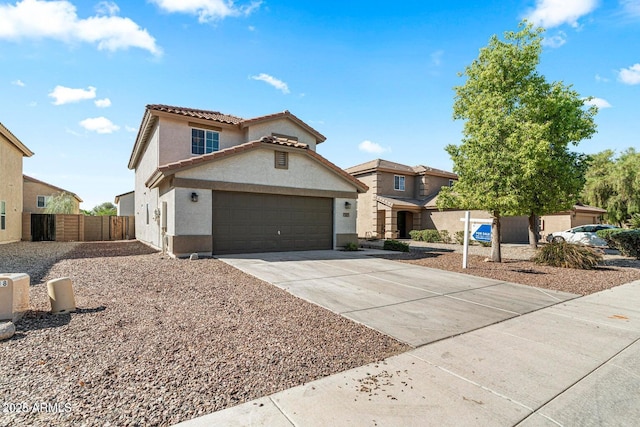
(46, 200)
(399, 184)
(3, 215)
(276, 163)
(214, 147)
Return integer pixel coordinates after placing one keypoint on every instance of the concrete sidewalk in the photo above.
(574, 363)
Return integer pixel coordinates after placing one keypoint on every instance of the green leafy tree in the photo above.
(514, 157)
(62, 203)
(105, 209)
(614, 184)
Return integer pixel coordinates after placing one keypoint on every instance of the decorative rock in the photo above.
(7, 330)
(193, 257)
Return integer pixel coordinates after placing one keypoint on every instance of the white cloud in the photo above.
(18, 83)
(131, 129)
(37, 19)
(107, 8)
(631, 7)
(277, 83)
(553, 13)
(372, 147)
(598, 102)
(99, 125)
(103, 103)
(207, 10)
(599, 78)
(67, 95)
(555, 41)
(631, 75)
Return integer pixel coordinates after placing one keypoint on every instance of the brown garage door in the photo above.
(251, 222)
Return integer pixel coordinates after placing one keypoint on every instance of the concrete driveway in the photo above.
(414, 304)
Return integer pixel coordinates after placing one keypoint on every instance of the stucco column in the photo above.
(390, 224)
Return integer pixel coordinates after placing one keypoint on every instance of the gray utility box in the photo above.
(14, 295)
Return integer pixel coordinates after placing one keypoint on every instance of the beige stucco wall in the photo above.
(281, 126)
(386, 185)
(366, 215)
(257, 167)
(175, 139)
(31, 191)
(147, 199)
(344, 225)
(513, 229)
(429, 184)
(11, 190)
(126, 205)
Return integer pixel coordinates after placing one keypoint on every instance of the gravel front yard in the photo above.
(156, 341)
(517, 268)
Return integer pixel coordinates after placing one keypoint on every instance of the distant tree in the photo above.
(105, 209)
(614, 184)
(513, 159)
(62, 203)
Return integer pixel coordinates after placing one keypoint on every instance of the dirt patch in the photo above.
(157, 341)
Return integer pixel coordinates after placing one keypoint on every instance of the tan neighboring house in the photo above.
(579, 215)
(11, 153)
(125, 204)
(38, 193)
(213, 183)
(402, 198)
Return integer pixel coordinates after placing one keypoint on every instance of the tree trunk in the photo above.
(496, 255)
(534, 233)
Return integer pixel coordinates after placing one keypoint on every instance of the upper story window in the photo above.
(398, 182)
(42, 201)
(204, 141)
(451, 182)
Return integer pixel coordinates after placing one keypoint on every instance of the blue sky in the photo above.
(375, 78)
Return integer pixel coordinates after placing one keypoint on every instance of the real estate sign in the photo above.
(481, 232)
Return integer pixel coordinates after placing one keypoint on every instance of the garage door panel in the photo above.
(250, 222)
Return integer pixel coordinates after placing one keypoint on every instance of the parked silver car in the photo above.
(584, 234)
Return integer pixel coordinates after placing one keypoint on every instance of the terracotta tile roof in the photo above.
(588, 209)
(15, 141)
(287, 114)
(171, 168)
(387, 166)
(397, 202)
(37, 181)
(196, 113)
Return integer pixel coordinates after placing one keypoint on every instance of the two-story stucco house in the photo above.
(36, 195)
(12, 150)
(398, 197)
(402, 198)
(213, 183)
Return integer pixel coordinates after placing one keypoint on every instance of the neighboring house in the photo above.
(38, 193)
(212, 183)
(125, 204)
(579, 215)
(395, 202)
(11, 153)
(402, 198)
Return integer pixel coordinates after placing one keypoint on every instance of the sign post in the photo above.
(481, 232)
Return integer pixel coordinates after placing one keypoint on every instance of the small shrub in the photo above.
(415, 235)
(445, 237)
(431, 236)
(626, 241)
(458, 236)
(351, 247)
(634, 222)
(394, 245)
(568, 255)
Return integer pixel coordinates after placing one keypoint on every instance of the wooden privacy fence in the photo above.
(76, 228)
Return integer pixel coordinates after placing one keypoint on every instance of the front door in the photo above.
(402, 225)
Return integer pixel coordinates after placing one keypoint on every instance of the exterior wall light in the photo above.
(347, 205)
(194, 197)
